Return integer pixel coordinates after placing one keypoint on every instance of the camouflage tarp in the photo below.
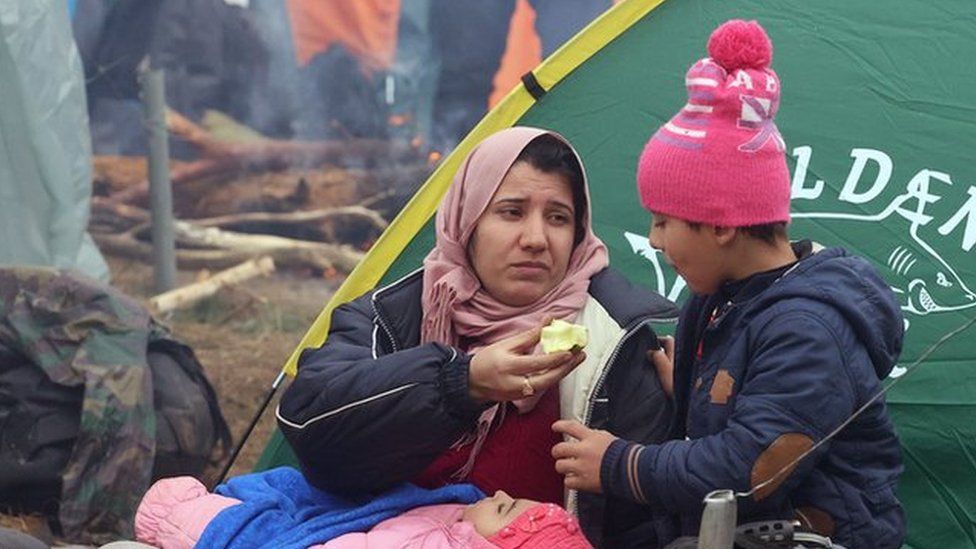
(84, 334)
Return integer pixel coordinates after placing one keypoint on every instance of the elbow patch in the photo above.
(781, 452)
(722, 387)
(816, 520)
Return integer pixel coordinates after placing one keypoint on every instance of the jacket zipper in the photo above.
(613, 358)
(386, 329)
(379, 317)
(573, 500)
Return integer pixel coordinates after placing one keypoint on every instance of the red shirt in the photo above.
(516, 457)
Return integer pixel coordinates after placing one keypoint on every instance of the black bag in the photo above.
(39, 422)
(189, 423)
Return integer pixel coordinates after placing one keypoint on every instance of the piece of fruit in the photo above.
(560, 335)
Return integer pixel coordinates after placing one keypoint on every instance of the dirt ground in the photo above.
(242, 336)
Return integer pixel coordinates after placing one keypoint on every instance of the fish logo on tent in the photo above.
(921, 277)
(924, 282)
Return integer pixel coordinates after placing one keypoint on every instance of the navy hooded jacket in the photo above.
(764, 371)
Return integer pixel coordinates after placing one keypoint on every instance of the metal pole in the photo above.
(250, 428)
(160, 190)
(718, 521)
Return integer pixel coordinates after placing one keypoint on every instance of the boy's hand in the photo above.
(580, 460)
(663, 361)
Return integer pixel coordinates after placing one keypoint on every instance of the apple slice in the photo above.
(560, 335)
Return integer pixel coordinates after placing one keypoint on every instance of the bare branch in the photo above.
(192, 293)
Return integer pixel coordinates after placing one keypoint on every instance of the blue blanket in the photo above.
(280, 509)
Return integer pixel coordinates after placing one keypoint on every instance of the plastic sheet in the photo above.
(45, 152)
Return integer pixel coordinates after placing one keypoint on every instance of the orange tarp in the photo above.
(367, 28)
(523, 52)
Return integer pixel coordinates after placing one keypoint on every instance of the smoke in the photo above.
(240, 57)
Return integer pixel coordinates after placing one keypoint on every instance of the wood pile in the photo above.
(313, 206)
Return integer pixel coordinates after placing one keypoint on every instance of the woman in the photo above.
(435, 378)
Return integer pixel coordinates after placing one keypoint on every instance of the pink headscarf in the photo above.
(455, 304)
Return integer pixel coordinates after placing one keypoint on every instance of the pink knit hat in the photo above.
(545, 526)
(721, 159)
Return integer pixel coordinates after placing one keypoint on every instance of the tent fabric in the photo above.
(875, 116)
(367, 28)
(45, 152)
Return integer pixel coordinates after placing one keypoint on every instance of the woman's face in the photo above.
(521, 245)
(492, 514)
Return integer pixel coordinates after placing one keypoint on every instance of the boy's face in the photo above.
(698, 254)
(492, 514)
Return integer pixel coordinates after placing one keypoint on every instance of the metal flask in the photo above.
(718, 521)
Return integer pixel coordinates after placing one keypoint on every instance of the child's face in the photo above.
(492, 514)
(696, 253)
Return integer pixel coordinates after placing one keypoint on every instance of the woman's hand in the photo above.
(663, 361)
(506, 370)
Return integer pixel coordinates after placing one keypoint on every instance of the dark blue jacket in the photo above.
(787, 357)
(373, 407)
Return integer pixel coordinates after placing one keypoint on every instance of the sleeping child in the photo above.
(180, 513)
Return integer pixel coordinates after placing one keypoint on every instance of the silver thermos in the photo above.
(718, 521)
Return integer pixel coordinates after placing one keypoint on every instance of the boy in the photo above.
(777, 345)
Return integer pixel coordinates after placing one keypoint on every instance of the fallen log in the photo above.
(353, 225)
(321, 225)
(212, 248)
(125, 245)
(192, 293)
(285, 250)
(300, 217)
(112, 217)
(222, 158)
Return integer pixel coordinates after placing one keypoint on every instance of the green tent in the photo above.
(875, 97)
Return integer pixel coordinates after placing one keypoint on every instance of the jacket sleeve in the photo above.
(175, 512)
(797, 390)
(361, 422)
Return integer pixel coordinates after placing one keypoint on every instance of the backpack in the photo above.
(39, 422)
(189, 423)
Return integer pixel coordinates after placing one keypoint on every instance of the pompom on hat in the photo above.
(721, 159)
(543, 526)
